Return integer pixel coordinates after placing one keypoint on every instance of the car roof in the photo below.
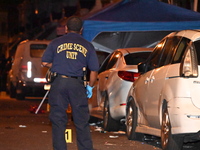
(193, 35)
(134, 50)
(35, 41)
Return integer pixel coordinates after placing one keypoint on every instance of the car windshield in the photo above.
(37, 50)
(136, 58)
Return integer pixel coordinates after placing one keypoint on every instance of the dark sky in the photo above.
(11, 1)
(84, 3)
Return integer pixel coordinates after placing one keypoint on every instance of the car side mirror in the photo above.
(142, 67)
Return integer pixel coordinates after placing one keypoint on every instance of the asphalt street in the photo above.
(22, 129)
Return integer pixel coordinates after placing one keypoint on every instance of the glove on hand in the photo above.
(89, 91)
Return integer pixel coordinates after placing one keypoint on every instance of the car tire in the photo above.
(12, 90)
(109, 124)
(93, 119)
(131, 122)
(169, 141)
(19, 95)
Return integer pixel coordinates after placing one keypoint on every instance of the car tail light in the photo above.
(189, 66)
(24, 68)
(27, 69)
(128, 76)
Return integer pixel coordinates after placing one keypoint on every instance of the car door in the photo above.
(108, 67)
(157, 80)
(35, 52)
(143, 82)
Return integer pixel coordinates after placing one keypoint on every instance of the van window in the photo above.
(197, 47)
(169, 50)
(154, 59)
(180, 50)
(37, 50)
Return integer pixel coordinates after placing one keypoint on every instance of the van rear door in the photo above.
(35, 72)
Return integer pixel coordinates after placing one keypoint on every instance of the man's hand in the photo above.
(89, 91)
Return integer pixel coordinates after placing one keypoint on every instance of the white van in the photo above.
(165, 99)
(27, 76)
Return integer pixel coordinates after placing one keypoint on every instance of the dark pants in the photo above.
(71, 91)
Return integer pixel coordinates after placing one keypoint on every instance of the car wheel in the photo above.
(19, 93)
(93, 119)
(131, 121)
(169, 141)
(12, 90)
(109, 124)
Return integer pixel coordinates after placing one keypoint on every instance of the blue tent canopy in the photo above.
(131, 18)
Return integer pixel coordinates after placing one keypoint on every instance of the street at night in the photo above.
(21, 129)
(133, 95)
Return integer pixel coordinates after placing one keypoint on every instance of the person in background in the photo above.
(67, 56)
(3, 75)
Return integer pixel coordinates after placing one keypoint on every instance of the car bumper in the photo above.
(192, 137)
(184, 116)
(117, 98)
(31, 88)
(119, 112)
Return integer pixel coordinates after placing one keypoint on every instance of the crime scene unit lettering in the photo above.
(71, 55)
(72, 50)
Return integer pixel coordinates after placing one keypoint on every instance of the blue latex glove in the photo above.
(89, 91)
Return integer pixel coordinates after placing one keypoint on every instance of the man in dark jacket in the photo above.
(67, 56)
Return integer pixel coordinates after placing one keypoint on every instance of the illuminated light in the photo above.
(40, 80)
(123, 104)
(24, 67)
(118, 55)
(29, 69)
(36, 11)
(159, 45)
(47, 86)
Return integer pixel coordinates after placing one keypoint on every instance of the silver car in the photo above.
(116, 75)
(164, 100)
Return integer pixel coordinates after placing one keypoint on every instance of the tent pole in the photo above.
(170, 2)
(195, 5)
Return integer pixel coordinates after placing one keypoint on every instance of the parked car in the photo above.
(164, 100)
(27, 77)
(115, 77)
